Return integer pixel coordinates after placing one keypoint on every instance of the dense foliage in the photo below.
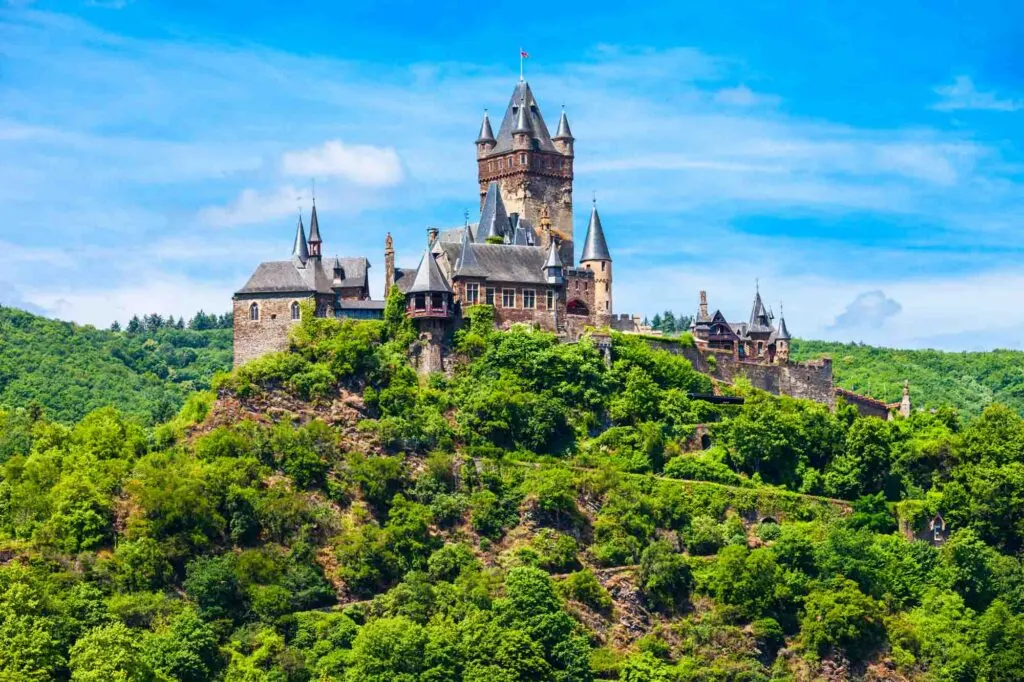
(967, 381)
(538, 515)
(70, 370)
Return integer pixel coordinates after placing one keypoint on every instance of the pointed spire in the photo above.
(523, 101)
(429, 278)
(554, 259)
(782, 333)
(563, 132)
(486, 133)
(595, 247)
(759, 321)
(314, 234)
(493, 218)
(300, 250)
(467, 264)
(522, 118)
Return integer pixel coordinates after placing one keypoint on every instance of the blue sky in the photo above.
(864, 161)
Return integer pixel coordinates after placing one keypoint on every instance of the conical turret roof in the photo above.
(563, 132)
(493, 218)
(782, 332)
(300, 250)
(522, 118)
(595, 247)
(429, 278)
(554, 260)
(314, 227)
(486, 134)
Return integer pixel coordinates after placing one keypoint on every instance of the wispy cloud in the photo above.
(963, 95)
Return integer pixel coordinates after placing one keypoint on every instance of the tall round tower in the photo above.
(596, 258)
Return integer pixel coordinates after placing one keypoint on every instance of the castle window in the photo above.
(472, 293)
(296, 312)
(529, 298)
(522, 159)
(550, 300)
(420, 302)
(508, 298)
(254, 312)
(489, 293)
(602, 266)
(606, 287)
(436, 302)
(606, 304)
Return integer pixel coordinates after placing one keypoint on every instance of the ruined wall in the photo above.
(866, 407)
(253, 338)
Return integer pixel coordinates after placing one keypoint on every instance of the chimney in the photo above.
(703, 304)
(432, 233)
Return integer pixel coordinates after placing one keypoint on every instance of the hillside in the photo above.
(538, 515)
(968, 381)
(71, 370)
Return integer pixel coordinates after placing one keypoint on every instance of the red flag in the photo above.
(522, 53)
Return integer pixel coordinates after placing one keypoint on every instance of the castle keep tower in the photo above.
(533, 170)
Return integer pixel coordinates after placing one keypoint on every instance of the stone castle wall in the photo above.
(253, 338)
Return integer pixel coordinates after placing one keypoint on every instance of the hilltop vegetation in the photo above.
(536, 516)
(967, 381)
(70, 370)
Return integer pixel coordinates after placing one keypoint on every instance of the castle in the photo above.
(756, 340)
(519, 257)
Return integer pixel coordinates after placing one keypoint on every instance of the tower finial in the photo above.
(757, 285)
(313, 180)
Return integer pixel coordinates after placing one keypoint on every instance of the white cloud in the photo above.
(358, 163)
(962, 95)
(253, 207)
(869, 309)
(742, 96)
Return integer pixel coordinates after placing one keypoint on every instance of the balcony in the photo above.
(429, 306)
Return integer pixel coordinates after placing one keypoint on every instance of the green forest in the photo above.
(969, 381)
(146, 372)
(326, 513)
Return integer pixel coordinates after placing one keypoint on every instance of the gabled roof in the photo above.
(284, 276)
(486, 134)
(563, 132)
(718, 319)
(595, 247)
(538, 129)
(493, 218)
(300, 250)
(466, 264)
(429, 278)
(504, 262)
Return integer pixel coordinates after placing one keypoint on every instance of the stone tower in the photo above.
(533, 170)
(389, 265)
(596, 257)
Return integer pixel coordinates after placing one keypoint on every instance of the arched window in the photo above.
(254, 312)
(296, 311)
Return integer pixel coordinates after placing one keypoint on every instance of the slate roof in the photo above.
(428, 277)
(760, 320)
(466, 263)
(314, 228)
(403, 279)
(299, 249)
(554, 260)
(563, 132)
(362, 305)
(595, 247)
(493, 217)
(538, 129)
(782, 333)
(284, 276)
(504, 262)
(486, 134)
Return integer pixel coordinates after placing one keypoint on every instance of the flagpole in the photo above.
(520, 64)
